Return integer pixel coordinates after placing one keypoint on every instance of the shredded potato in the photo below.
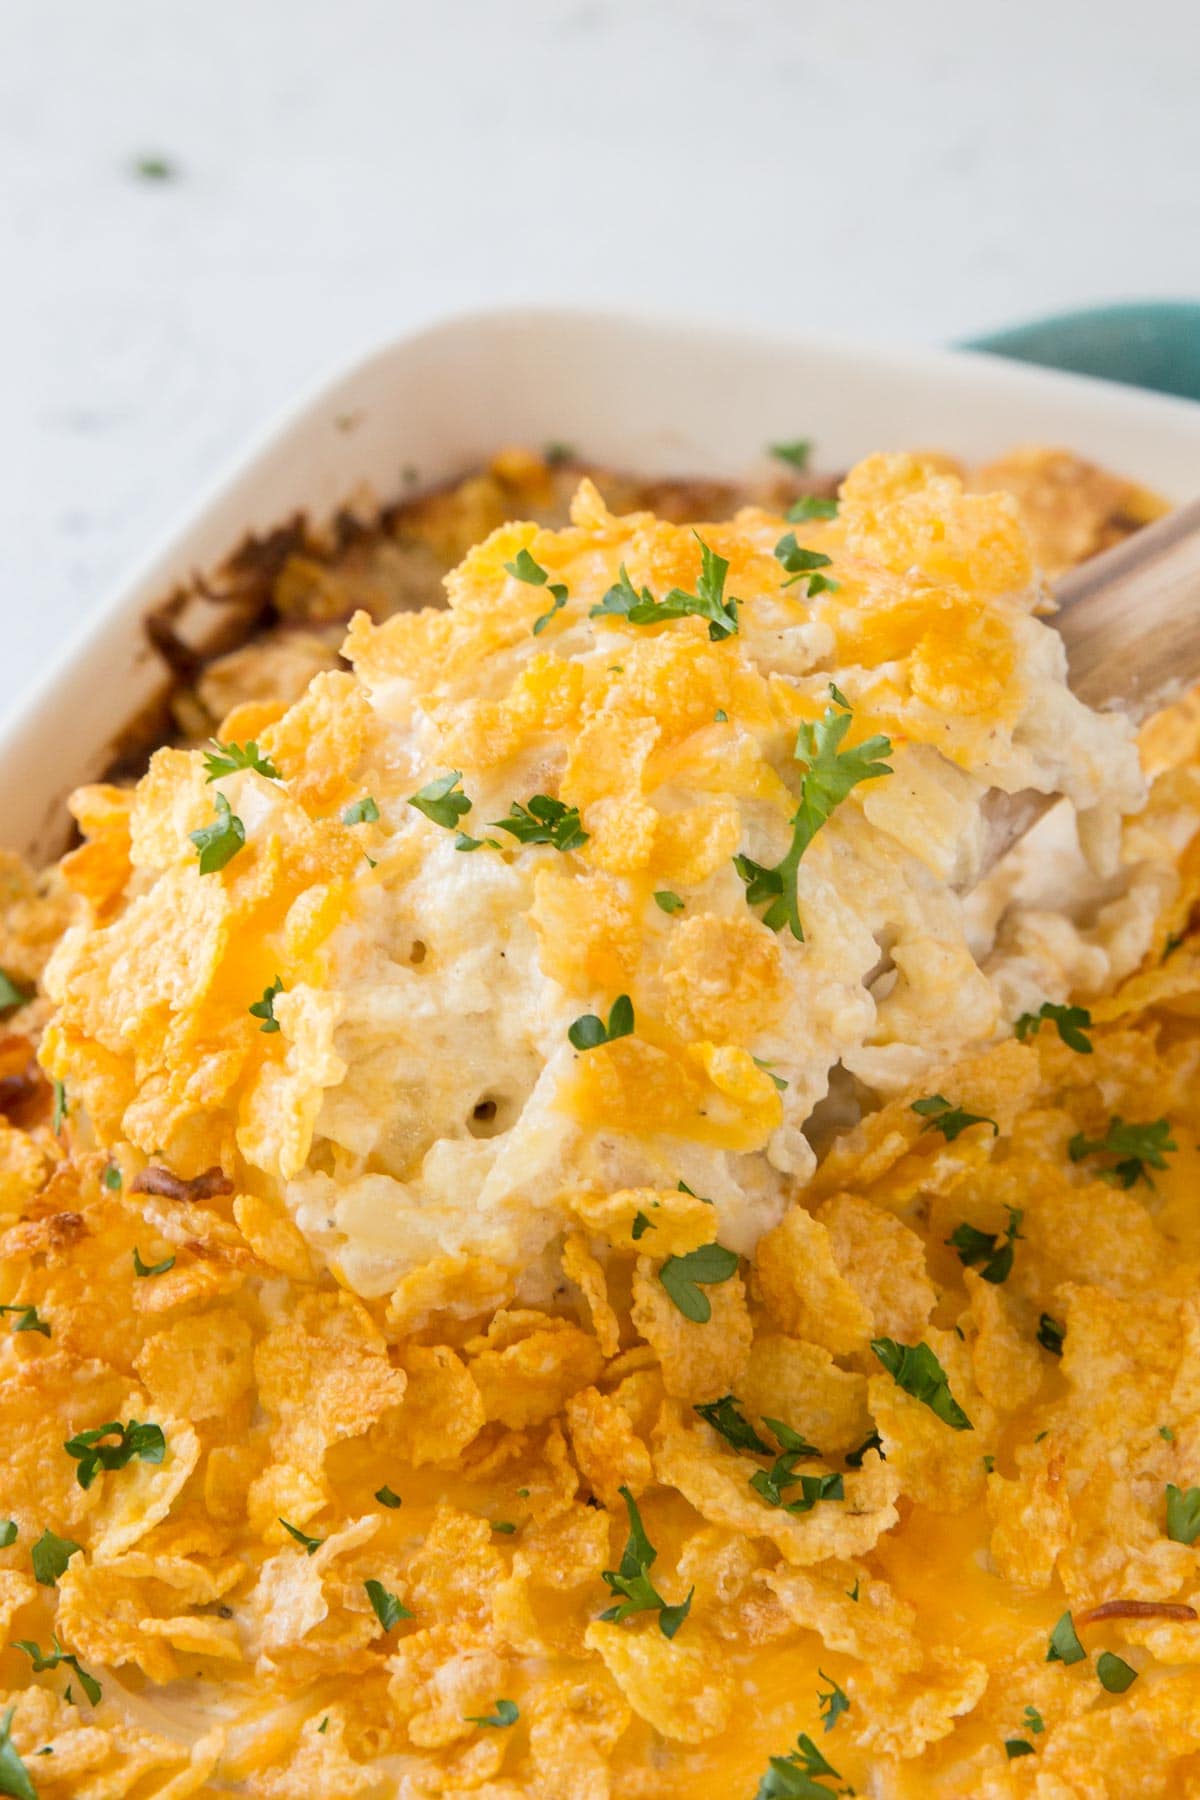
(548, 1251)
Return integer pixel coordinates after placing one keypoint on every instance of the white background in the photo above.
(896, 169)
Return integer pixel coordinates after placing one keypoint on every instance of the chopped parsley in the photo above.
(685, 1276)
(62, 1110)
(708, 602)
(505, 1527)
(733, 1426)
(14, 1776)
(1171, 946)
(219, 842)
(1017, 1747)
(631, 1579)
(311, 1544)
(264, 1009)
(1133, 1145)
(442, 801)
(666, 901)
(1167, 1433)
(386, 1497)
(832, 1703)
(951, 1121)
(134, 1439)
(555, 454)
(768, 1069)
(811, 506)
(154, 168)
(50, 1659)
(993, 1249)
(227, 759)
(361, 812)
(524, 568)
(829, 775)
(386, 1606)
(916, 1369)
(803, 564)
(1065, 1646)
(1073, 1023)
(854, 1458)
(8, 1533)
(589, 1032)
(142, 1270)
(1115, 1674)
(27, 1319)
(112, 1178)
(507, 1713)
(791, 1777)
(641, 1225)
(1034, 1722)
(1050, 1334)
(544, 821)
(50, 1556)
(11, 994)
(795, 452)
(769, 1484)
(1183, 1514)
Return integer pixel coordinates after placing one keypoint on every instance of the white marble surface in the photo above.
(896, 169)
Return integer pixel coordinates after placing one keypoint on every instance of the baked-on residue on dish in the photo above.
(567, 1245)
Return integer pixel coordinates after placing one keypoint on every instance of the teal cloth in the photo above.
(1147, 343)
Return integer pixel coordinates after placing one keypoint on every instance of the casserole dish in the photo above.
(656, 396)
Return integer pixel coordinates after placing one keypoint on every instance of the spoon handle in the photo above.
(1131, 618)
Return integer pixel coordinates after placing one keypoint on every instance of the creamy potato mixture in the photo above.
(570, 1237)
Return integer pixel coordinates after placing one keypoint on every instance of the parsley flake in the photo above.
(641, 1225)
(544, 821)
(505, 1527)
(386, 1497)
(11, 994)
(1133, 1145)
(524, 568)
(27, 1319)
(1017, 1747)
(916, 1369)
(311, 1544)
(993, 1249)
(708, 602)
(62, 1110)
(666, 901)
(14, 1776)
(684, 1276)
(226, 759)
(768, 1069)
(386, 1606)
(112, 1178)
(951, 1121)
(733, 1426)
(1065, 1646)
(791, 1777)
(361, 812)
(1050, 1334)
(1073, 1022)
(264, 1009)
(1183, 1514)
(589, 1032)
(50, 1556)
(833, 1703)
(803, 565)
(795, 452)
(142, 1270)
(507, 1713)
(323, 1727)
(631, 1579)
(829, 775)
(219, 842)
(8, 1533)
(1114, 1672)
(854, 1458)
(92, 1453)
(439, 801)
(50, 1659)
(1034, 1721)
(812, 506)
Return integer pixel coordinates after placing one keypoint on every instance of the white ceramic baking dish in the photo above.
(656, 396)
